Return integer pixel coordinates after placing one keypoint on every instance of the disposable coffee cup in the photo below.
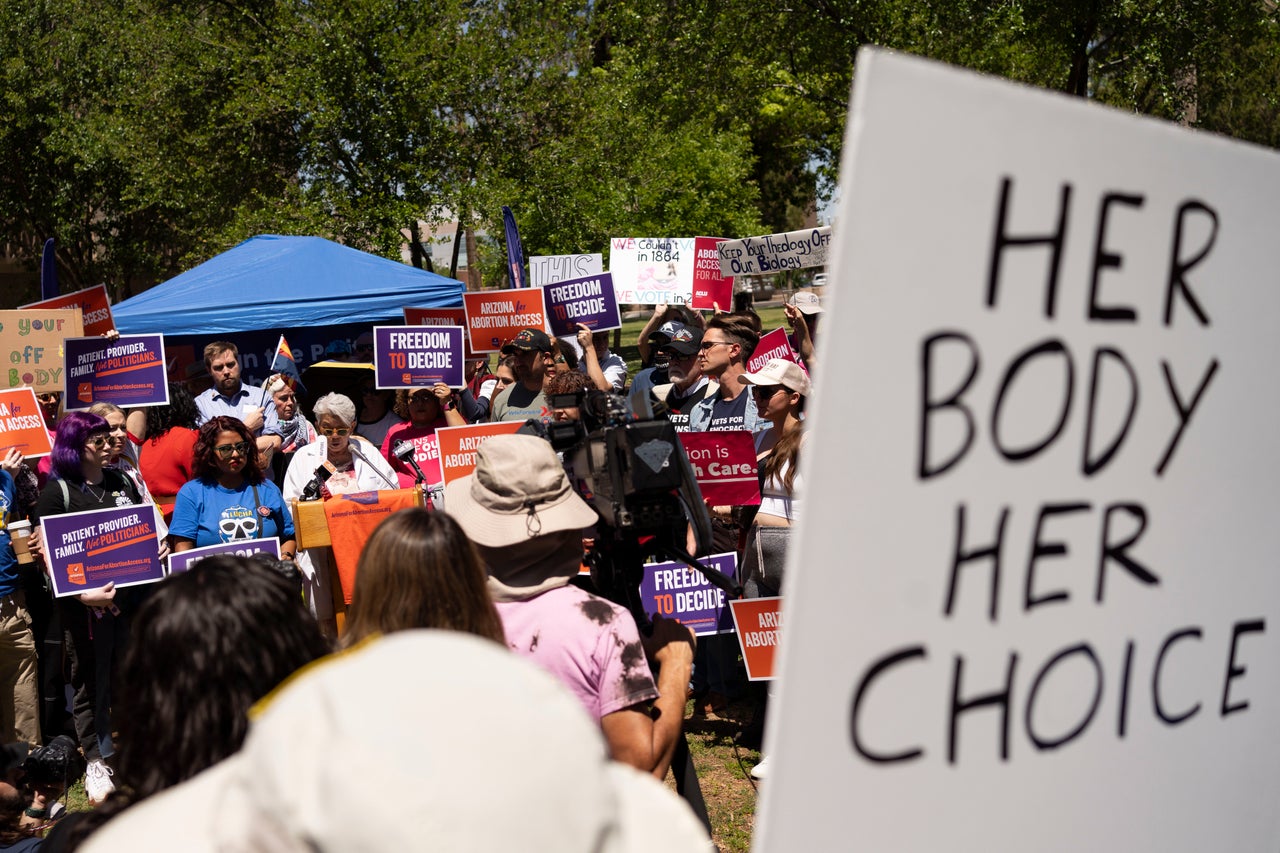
(19, 532)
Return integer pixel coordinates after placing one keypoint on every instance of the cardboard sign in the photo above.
(417, 356)
(776, 252)
(549, 269)
(440, 317)
(22, 423)
(458, 446)
(676, 591)
(589, 301)
(1033, 595)
(758, 624)
(652, 270)
(495, 316)
(771, 346)
(712, 289)
(86, 550)
(31, 346)
(724, 464)
(94, 305)
(129, 372)
(181, 561)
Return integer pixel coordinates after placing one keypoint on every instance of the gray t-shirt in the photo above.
(518, 403)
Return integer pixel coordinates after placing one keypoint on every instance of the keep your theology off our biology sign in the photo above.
(1032, 599)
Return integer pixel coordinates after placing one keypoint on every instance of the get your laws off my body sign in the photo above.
(1033, 596)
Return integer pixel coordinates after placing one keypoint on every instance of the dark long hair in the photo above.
(181, 412)
(68, 444)
(208, 644)
(419, 570)
(205, 459)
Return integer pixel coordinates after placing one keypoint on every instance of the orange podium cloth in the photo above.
(351, 519)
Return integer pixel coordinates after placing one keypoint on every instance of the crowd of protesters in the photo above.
(163, 676)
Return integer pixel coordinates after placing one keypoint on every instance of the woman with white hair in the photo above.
(352, 464)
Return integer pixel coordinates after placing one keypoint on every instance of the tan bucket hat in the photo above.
(518, 491)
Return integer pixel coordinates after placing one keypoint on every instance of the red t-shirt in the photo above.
(165, 462)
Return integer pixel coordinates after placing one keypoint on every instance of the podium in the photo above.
(312, 530)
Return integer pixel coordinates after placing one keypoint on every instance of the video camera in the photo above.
(632, 469)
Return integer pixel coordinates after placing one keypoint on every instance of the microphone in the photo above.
(312, 491)
(404, 452)
(356, 451)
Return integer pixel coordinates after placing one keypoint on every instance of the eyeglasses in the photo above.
(421, 398)
(330, 433)
(765, 391)
(706, 345)
(226, 451)
(97, 442)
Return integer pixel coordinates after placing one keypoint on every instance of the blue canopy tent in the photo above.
(322, 296)
(282, 283)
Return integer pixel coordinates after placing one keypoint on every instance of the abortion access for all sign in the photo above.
(1032, 601)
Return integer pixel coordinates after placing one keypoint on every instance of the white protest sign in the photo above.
(549, 269)
(775, 252)
(1033, 600)
(652, 270)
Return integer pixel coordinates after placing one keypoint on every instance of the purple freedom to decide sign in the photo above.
(588, 300)
(181, 561)
(128, 372)
(675, 591)
(417, 356)
(86, 550)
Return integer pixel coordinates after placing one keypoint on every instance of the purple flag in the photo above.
(49, 272)
(515, 250)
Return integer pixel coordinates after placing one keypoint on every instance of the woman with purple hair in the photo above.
(95, 623)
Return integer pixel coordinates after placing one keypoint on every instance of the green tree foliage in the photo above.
(147, 135)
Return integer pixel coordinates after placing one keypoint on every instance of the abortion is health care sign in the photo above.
(417, 356)
(1032, 597)
(86, 550)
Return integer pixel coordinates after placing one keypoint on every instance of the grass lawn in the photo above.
(724, 775)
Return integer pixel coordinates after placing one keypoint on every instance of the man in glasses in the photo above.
(229, 396)
(531, 356)
(686, 386)
(726, 346)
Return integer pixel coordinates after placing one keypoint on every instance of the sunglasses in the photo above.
(97, 442)
(706, 345)
(330, 433)
(226, 451)
(765, 391)
(421, 398)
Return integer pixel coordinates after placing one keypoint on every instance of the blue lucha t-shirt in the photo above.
(210, 514)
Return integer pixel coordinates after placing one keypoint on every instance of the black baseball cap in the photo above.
(527, 340)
